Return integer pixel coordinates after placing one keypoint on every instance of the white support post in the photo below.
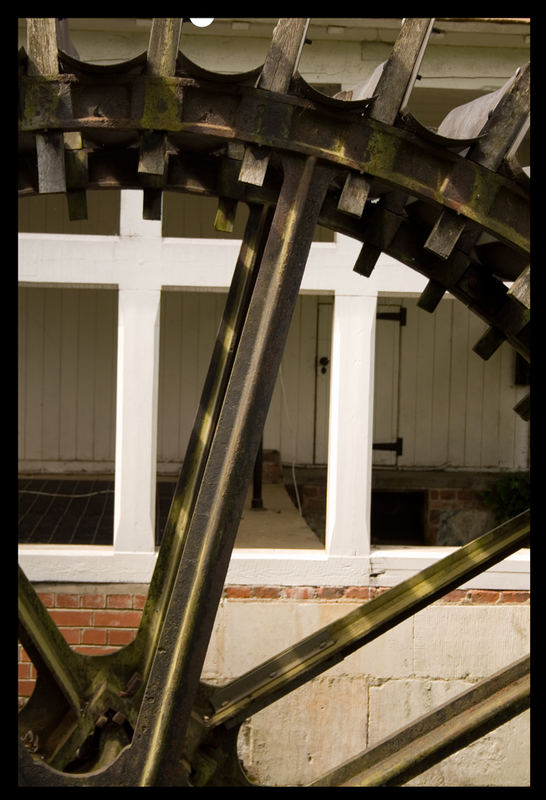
(136, 420)
(348, 502)
(137, 388)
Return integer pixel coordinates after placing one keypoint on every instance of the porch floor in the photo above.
(66, 510)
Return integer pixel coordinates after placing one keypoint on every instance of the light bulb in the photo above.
(201, 23)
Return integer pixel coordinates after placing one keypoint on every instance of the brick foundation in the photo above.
(102, 622)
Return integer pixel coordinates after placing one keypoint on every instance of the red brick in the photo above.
(235, 592)
(484, 596)
(330, 592)
(24, 656)
(48, 599)
(119, 601)
(23, 671)
(93, 601)
(112, 618)
(139, 600)
(26, 688)
(71, 635)
(67, 600)
(94, 636)
(456, 596)
(268, 592)
(358, 592)
(120, 637)
(300, 592)
(515, 597)
(80, 618)
(447, 494)
(433, 494)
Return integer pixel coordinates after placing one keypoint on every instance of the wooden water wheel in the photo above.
(452, 204)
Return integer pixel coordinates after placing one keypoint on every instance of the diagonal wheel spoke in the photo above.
(196, 593)
(446, 729)
(313, 655)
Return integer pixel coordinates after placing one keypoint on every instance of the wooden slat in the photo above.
(42, 46)
(160, 62)
(379, 230)
(163, 46)
(43, 61)
(278, 70)
(76, 170)
(521, 288)
(523, 407)
(395, 79)
(488, 343)
(51, 168)
(431, 296)
(500, 119)
(225, 216)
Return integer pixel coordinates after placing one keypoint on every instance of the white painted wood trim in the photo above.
(57, 563)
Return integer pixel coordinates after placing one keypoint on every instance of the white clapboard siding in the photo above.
(48, 213)
(456, 410)
(189, 323)
(452, 409)
(67, 375)
(290, 424)
(188, 326)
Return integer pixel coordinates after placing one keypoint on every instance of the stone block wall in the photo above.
(422, 662)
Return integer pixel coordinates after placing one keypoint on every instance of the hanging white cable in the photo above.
(293, 433)
(57, 494)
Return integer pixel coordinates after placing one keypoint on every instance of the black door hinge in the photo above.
(399, 316)
(396, 446)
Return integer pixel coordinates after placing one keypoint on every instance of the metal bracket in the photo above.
(399, 316)
(396, 446)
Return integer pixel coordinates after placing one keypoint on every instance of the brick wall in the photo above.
(96, 621)
(456, 516)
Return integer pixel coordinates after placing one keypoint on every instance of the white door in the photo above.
(386, 384)
(322, 379)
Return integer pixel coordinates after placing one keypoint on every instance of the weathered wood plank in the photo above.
(431, 296)
(283, 55)
(76, 170)
(161, 62)
(163, 46)
(401, 69)
(51, 167)
(392, 83)
(278, 70)
(43, 60)
(521, 288)
(523, 407)
(379, 230)
(500, 119)
(488, 343)
(225, 215)
(42, 46)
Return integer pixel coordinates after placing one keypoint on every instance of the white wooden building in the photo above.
(117, 319)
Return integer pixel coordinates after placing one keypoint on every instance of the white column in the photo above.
(136, 419)
(351, 426)
(137, 387)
